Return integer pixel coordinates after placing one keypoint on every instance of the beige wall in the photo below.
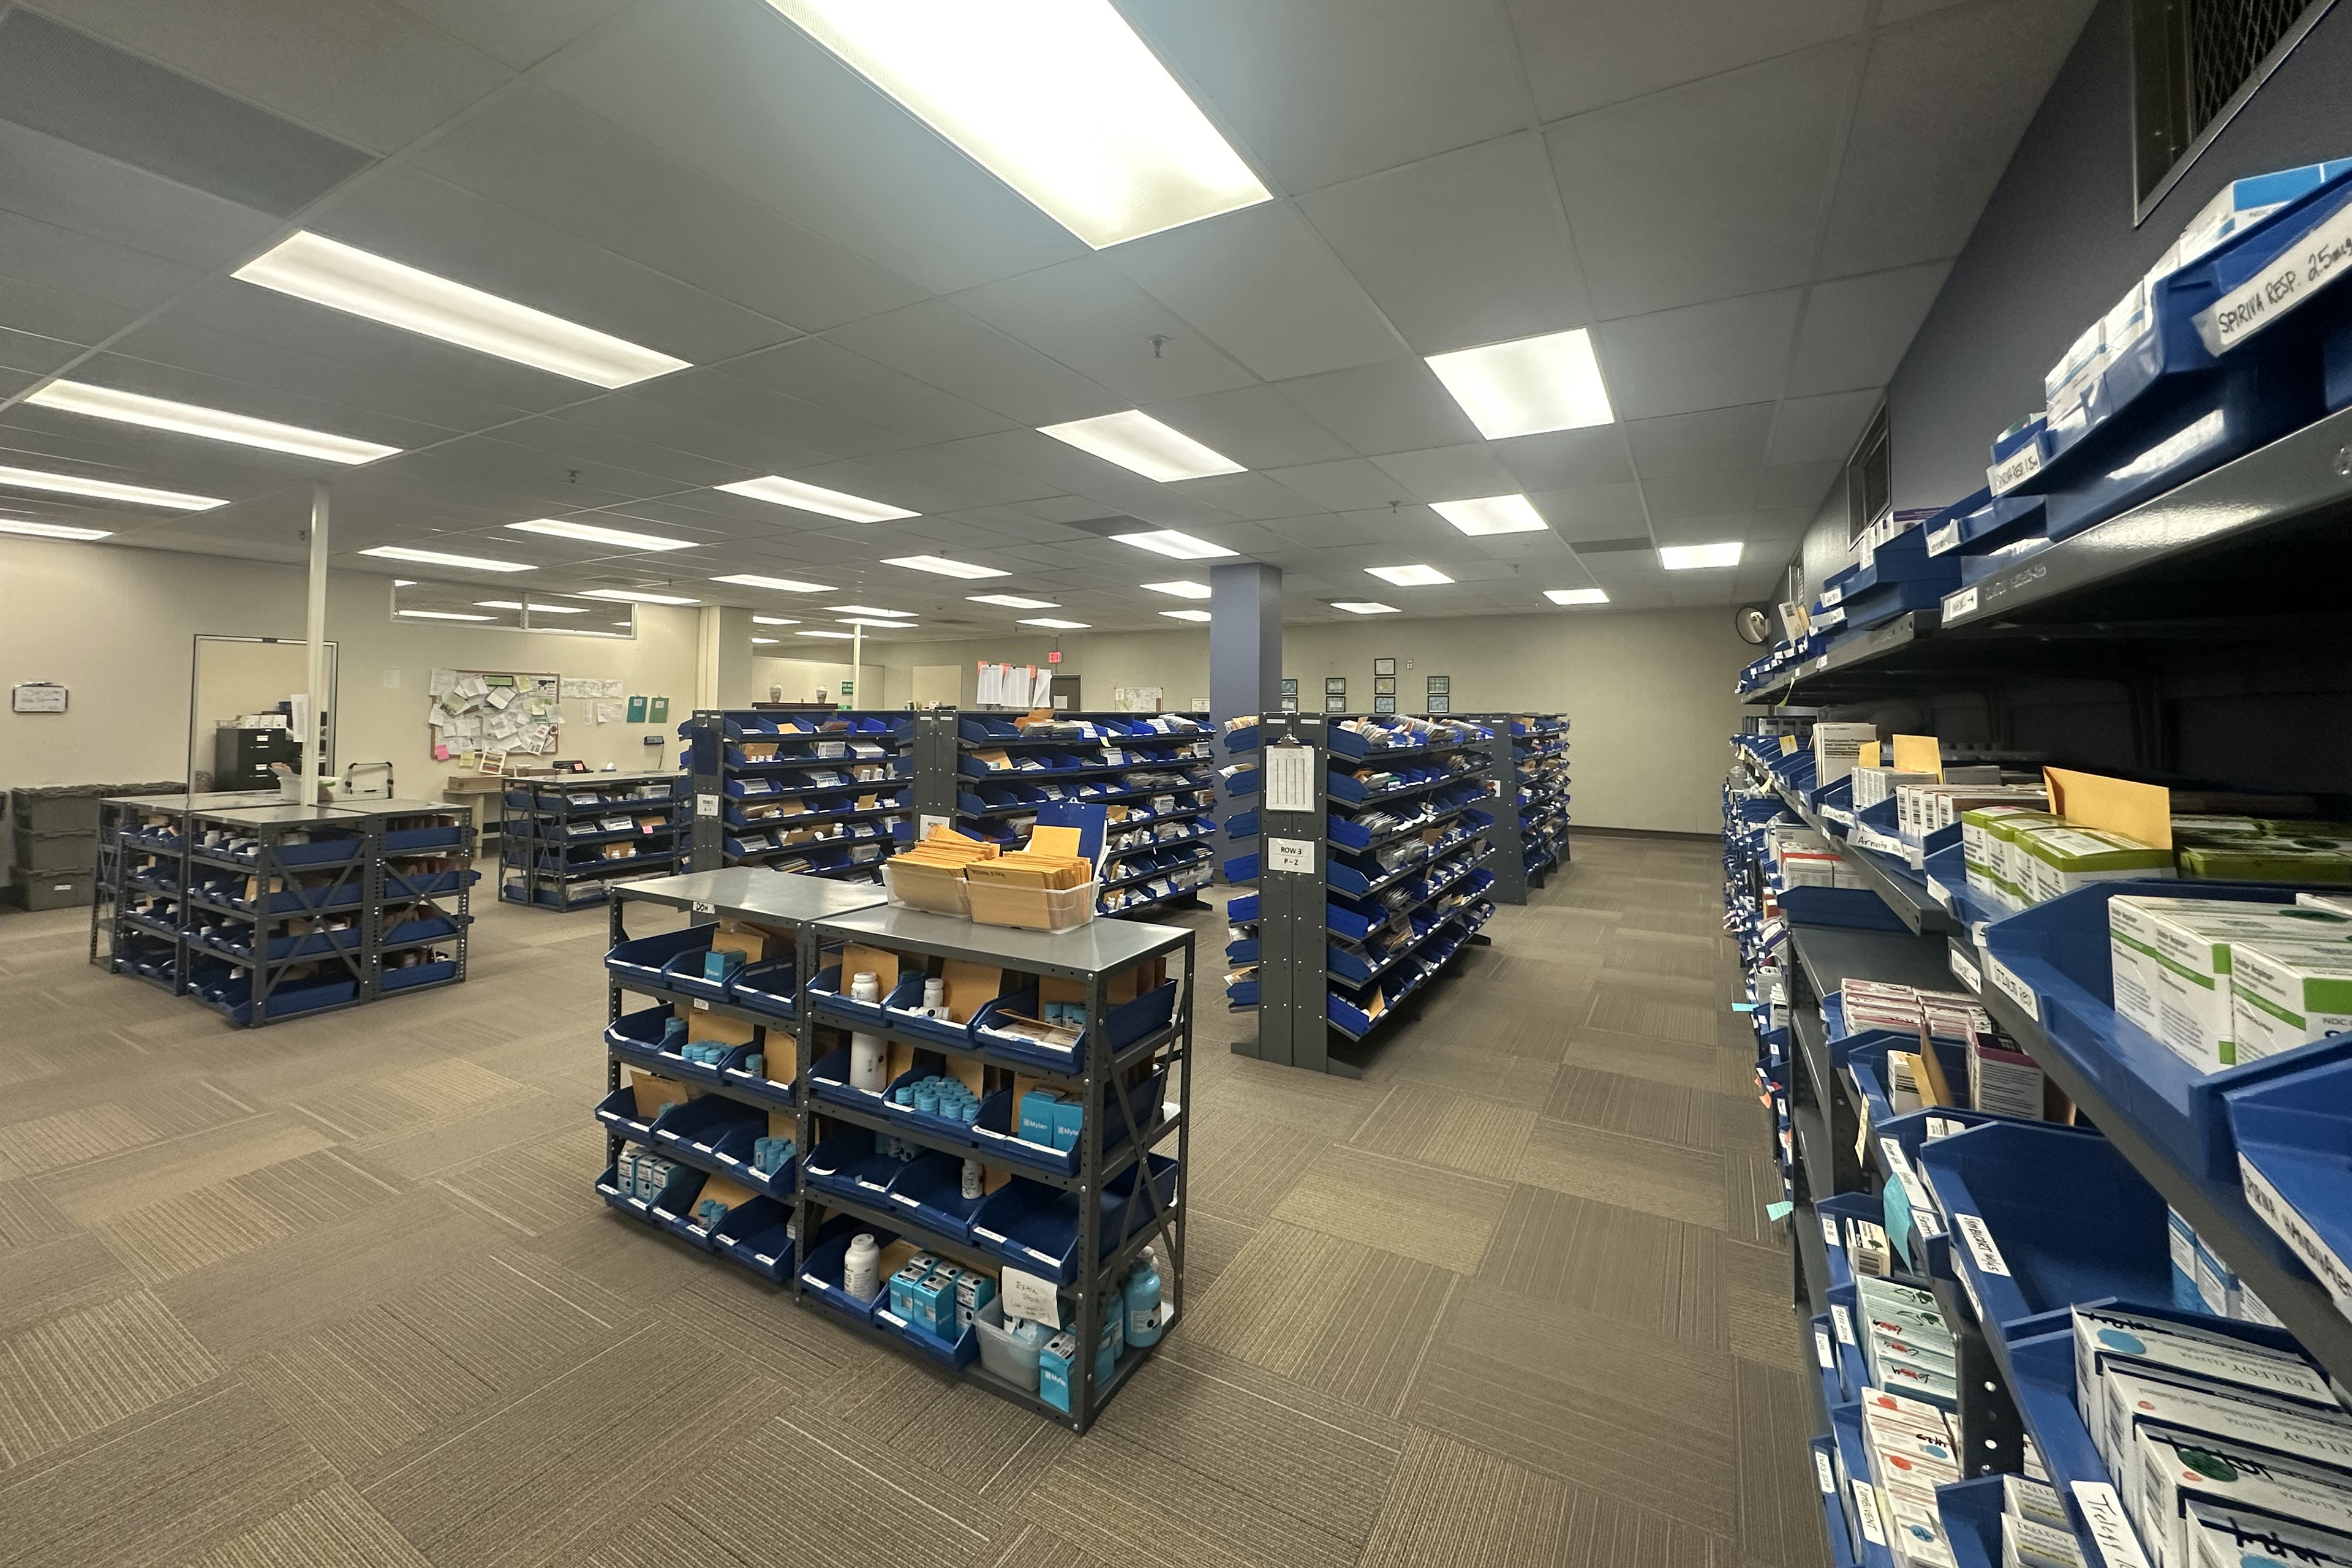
(118, 627)
(801, 677)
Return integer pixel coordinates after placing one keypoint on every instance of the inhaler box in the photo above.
(2285, 995)
(2136, 1400)
(2177, 1469)
(2022, 1497)
(2226, 1538)
(2033, 1544)
(2057, 860)
(2103, 1335)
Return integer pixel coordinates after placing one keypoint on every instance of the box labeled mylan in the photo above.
(2285, 995)
(2176, 1469)
(2054, 861)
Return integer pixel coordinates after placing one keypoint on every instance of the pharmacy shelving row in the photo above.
(1152, 773)
(1527, 770)
(1366, 838)
(788, 1116)
(563, 838)
(266, 911)
(2013, 1222)
(826, 794)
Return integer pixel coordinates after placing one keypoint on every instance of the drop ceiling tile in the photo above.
(1819, 429)
(579, 443)
(637, 418)
(1253, 497)
(1856, 330)
(1705, 190)
(518, 34)
(1451, 473)
(29, 354)
(364, 70)
(542, 153)
(49, 256)
(1089, 315)
(1398, 405)
(940, 345)
(1604, 51)
(1718, 439)
(1701, 529)
(1350, 484)
(1325, 90)
(1466, 249)
(1943, 106)
(823, 372)
(80, 190)
(1797, 484)
(1702, 356)
(1162, 506)
(738, 91)
(1594, 512)
(1265, 290)
(49, 313)
(1254, 426)
(1563, 460)
(978, 483)
(1055, 464)
(1699, 495)
(1068, 509)
(724, 398)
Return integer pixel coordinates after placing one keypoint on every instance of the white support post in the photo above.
(857, 666)
(315, 635)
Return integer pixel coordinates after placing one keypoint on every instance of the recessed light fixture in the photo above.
(104, 489)
(943, 566)
(767, 641)
(1365, 607)
(1187, 614)
(1691, 557)
(777, 491)
(442, 616)
(781, 584)
(865, 621)
(1181, 589)
(866, 610)
(1409, 576)
(1140, 444)
(1051, 624)
(773, 621)
(345, 278)
(1528, 386)
(1182, 546)
(1060, 100)
(214, 424)
(1492, 514)
(838, 637)
(563, 528)
(1577, 595)
(443, 558)
(51, 530)
(1011, 601)
(535, 609)
(635, 597)
(404, 582)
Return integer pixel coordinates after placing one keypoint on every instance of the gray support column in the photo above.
(1244, 655)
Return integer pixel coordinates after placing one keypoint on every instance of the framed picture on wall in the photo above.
(1335, 705)
(1291, 705)
(1383, 666)
(1384, 686)
(1441, 686)
(1290, 687)
(1440, 705)
(1384, 704)
(1334, 686)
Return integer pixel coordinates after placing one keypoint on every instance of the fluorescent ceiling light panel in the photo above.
(767, 640)
(1692, 557)
(840, 636)
(1011, 601)
(779, 491)
(535, 609)
(442, 616)
(404, 582)
(781, 584)
(1058, 98)
(773, 621)
(1182, 546)
(943, 566)
(443, 558)
(1491, 514)
(1409, 576)
(104, 489)
(345, 278)
(862, 621)
(562, 528)
(1052, 624)
(1140, 444)
(1365, 607)
(1181, 589)
(217, 425)
(1577, 595)
(51, 530)
(1551, 383)
(1186, 614)
(866, 610)
(635, 596)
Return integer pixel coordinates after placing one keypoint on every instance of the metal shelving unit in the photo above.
(1135, 1098)
(824, 794)
(266, 911)
(1526, 769)
(547, 823)
(1369, 883)
(1154, 768)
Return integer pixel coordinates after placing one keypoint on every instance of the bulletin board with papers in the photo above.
(477, 713)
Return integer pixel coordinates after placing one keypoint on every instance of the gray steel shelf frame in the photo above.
(535, 818)
(708, 771)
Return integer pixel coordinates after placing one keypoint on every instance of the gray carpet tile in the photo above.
(339, 1292)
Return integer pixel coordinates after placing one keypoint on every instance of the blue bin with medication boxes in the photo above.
(1845, 1337)
(2043, 1217)
(1825, 1361)
(638, 1038)
(698, 1128)
(429, 882)
(2294, 1147)
(899, 1012)
(2059, 953)
(821, 1277)
(424, 927)
(828, 998)
(845, 1163)
(1902, 575)
(685, 972)
(828, 1081)
(410, 840)
(928, 1192)
(410, 976)
(286, 1000)
(1850, 1459)
(758, 1235)
(674, 1200)
(1035, 1227)
(1834, 1513)
(618, 1111)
